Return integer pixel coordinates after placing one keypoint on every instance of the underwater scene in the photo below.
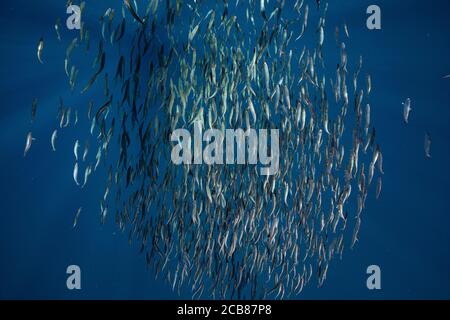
(229, 149)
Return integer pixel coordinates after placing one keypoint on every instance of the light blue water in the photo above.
(406, 232)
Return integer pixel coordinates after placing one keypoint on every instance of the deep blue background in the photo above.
(406, 233)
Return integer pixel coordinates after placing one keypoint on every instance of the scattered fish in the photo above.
(75, 173)
(58, 29)
(75, 149)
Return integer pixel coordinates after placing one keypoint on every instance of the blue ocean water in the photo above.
(406, 232)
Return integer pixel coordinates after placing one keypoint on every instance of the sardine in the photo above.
(406, 109)
(40, 49)
(28, 143)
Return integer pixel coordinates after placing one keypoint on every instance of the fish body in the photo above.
(53, 139)
(40, 49)
(427, 145)
(58, 29)
(75, 149)
(378, 191)
(406, 110)
(77, 215)
(75, 174)
(28, 143)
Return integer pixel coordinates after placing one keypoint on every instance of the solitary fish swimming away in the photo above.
(427, 145)
(75, 173)
(53, 139)
(406, 109)
(77, 215)
(28, 143)
(40, 48)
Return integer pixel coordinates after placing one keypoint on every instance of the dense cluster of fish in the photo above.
(224, 230)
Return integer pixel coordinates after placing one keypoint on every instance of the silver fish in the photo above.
(369, 84)
(367, 119)
(58, 28)
(77, 215)
(267, 78)
(28, 143)
(75, 173)
(40, 49)
(406, 109)
(379, 183)
(75, 149)
(247, 73)
(86, 150)
(346, 30)
(427, 145)
(53, 139)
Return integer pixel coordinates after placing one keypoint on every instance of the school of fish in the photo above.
(225, 231)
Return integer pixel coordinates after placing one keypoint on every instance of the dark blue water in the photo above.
(406, 232)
